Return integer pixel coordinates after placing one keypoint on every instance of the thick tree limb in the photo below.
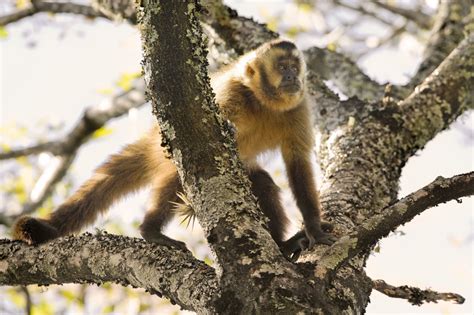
(255, 276)
(344, 73)
(415, 295)
(447, 33)
(440, 99)
(373, 229)
(160, 270)
(352, 199)
(51, 7)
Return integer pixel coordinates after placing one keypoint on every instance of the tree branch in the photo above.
(419, 18)
(28, 304)
(92, 118)
(361, 9)
(447, 33)
(344, 73)
(414, 295)
(373, 229)
(256, 277)
(51, 7)
(440, 99)
(65, 149)
(173, 273)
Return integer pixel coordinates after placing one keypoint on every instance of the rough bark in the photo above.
(104, 257)
(254, 275)
(362, 149)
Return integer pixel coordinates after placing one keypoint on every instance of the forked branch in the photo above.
(372, 230)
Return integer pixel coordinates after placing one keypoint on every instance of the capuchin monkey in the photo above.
(264, 95)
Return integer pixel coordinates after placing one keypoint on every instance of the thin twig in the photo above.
(361, 9)
(51, 7)
(421, 19)
(416, 296)
(439, 191)
(28, 303)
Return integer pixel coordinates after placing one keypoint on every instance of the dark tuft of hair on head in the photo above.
(282, 44)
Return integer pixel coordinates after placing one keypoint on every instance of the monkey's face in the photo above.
(287, 74)
(276, 75)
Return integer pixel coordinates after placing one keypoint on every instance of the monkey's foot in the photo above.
(34, 231)
(294, 246)
(320, 238)
(164, 240)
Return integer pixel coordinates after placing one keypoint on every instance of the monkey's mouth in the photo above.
(290, 87)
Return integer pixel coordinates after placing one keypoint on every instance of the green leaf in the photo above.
(125, 81)
(3, 32)
(16, 297)
(42, 308)
(208, 261)
(20, 4)
(332, 46)
(68, 295)
(102, 132)
(105, 91)
(108, 309)
(306, 7)
(293, 31)
(5, 147)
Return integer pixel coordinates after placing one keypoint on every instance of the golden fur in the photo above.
(263, 95)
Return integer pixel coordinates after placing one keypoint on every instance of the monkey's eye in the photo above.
(294, 68)
(281, 67)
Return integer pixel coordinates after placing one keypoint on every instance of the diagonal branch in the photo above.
(173, 273)
(344, 73)
(415, 295)
(65, 149)
(361, 9)
(440, 99)
(372, 230)
(51, 7)
(447, 33)
(421, 19)
(92, 119)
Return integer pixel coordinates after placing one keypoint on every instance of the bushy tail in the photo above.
(121, 174)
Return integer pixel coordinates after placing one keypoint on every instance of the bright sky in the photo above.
(56, 79)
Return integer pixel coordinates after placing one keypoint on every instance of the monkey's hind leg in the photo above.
(163, 196)
(268, 195)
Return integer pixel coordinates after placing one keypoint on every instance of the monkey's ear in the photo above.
(249, 71)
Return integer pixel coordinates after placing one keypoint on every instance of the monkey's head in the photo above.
(275, 72)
